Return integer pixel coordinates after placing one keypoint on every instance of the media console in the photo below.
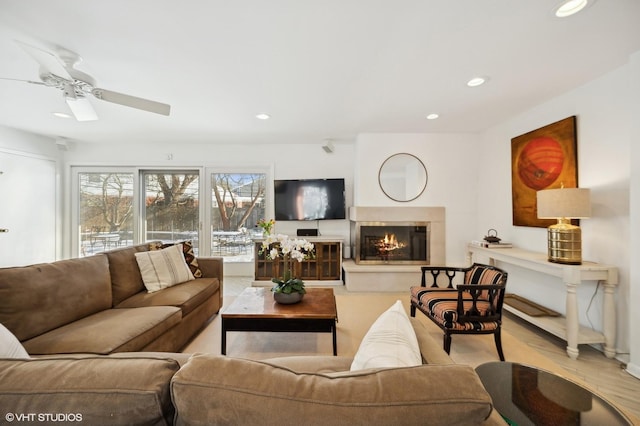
(567, 327)
(325, 267)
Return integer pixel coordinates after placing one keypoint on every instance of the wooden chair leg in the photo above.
(447, 342)
(498, 339)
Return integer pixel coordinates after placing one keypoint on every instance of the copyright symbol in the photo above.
(9, 417)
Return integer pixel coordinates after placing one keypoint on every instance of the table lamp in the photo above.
(564, 240)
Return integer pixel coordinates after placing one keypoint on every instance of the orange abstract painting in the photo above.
(545, 158)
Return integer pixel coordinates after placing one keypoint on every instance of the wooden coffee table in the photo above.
(255, 310)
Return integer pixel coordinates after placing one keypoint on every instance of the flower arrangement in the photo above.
(266, 225)
(290, 250)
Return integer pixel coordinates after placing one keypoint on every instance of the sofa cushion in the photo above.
(38, 298)
(212, 389)
(112, 330)
(187, 296)
(10, 346)
(125, 273)
(390, 342)
(187, 252)
(90, 391)
(164, 268)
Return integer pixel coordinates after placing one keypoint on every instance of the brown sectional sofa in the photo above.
(99, 305)
(207, 389)
(78, 318)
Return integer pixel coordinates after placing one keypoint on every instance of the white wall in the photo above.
(634, 276)
(604, 121)
(288, 161)
(452, 168)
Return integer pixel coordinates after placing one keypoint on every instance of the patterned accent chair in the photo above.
(473, 307)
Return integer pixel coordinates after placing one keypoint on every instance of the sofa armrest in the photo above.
(212, 267)
(90, 390)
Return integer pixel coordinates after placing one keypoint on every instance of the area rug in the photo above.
(356, 313)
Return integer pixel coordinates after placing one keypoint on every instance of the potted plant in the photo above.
(287, 289)
(266, 225)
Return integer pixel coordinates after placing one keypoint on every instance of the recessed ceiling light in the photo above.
(61, 114)
(263, 116)
(570, 7)
(432, 116)
(476, 81)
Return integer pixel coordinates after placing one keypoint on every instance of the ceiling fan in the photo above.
(59, 71)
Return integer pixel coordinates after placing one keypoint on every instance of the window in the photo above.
(237, 203)
(105, 216)
(118, 207)
(171, 206)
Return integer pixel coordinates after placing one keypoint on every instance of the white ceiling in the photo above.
(323, 69)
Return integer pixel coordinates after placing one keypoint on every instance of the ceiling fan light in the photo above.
(81, 108)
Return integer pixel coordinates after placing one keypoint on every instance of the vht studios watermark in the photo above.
(43, 417)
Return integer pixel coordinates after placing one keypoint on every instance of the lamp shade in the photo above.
(573, 203)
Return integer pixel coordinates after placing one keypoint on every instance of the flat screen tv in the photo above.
(309, 199)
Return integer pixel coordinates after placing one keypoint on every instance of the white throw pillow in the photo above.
(390, 342)
(10, 346)
(163, 268)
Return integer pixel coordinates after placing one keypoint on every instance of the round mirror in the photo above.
(402, 177)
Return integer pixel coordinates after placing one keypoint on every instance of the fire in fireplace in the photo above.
(391, 242)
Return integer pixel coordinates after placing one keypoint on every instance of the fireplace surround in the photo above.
(372, 270)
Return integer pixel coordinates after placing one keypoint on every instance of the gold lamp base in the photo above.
(564, 243)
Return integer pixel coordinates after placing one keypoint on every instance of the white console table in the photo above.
(567, 328)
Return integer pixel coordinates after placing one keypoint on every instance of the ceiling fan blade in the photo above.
(47, 60)
(81, 108)
(131, 101)
(23, 81)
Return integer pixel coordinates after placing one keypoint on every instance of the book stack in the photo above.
(486, 244)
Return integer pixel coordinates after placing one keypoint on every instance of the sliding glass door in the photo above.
(118, 207)
(171, 206)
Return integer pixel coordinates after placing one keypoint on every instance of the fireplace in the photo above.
(399, 243)
(390, 244)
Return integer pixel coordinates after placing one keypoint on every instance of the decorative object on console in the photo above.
(485, 244)
(492, 238)
(403, 177)
(281, 246)
(307, 232)
(564, 239)
(266, 225)
(541, 159)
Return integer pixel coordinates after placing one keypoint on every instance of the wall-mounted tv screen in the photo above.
(309, 199)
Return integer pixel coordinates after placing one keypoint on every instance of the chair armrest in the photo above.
(492, 293)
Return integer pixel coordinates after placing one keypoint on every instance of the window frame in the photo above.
(204, 188)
